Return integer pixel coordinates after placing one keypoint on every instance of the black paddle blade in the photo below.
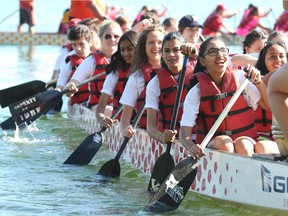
(110, 169)
(84, 153)
(8, 124)
(163, 166)
(30, 109)
(174, 188)
(16, 93)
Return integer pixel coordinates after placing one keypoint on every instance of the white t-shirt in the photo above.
(110, 83)
(60, 61)
(65, 72)
(153, 92)
(192, 101)
(133, 89)
(85, 69)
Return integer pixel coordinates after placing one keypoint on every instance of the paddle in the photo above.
(84, 153)
(31, 108)
(8, 124)
(9, 16)
(165, 163)
(173, 190)
(19, 92)
(112, 168)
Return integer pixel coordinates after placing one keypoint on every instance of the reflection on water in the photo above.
(26, 52)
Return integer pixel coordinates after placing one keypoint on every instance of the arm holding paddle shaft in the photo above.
(166, 136)
(185, 171)
(125, 126)
(196, 150)
(105, 121)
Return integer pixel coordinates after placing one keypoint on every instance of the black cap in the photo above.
(189, 21)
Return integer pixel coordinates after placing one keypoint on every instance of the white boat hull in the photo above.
(221, 175)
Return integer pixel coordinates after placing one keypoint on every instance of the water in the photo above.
(33, 179)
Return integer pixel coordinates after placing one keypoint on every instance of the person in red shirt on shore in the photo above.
(27, 15)
(214, 25)
(83, 9)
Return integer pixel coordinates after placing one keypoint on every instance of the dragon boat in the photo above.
(261, 180)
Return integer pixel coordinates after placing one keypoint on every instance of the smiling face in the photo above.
(191, 34)
(215, 64)
(109, 40)
(173, 56)
(153, 46)
(275, 57)
(127, 51)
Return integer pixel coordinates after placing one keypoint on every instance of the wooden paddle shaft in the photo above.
(224, 113)
(86, 81)
(91, 79)
(51, 81)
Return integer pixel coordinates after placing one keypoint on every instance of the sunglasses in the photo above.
(215, 51)
(270, 43)
(109, 36)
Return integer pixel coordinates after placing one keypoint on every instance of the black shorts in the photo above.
(26, 16)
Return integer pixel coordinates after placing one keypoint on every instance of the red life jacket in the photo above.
(212, 24)
(168, 87)
(119, 88)
(282, 24)
(247, 24)
(83, 93)
(239, 121)
(96, 86)
(148, 73)
(263, 120)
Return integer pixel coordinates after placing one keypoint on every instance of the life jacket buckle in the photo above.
(221, 96)
(227, 132)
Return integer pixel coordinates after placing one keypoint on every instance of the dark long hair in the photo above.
(140, 56)
(117, 59)
(261, 65)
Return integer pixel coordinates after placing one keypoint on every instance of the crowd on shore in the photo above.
(142, 62)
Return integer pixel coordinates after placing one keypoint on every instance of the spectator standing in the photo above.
(27, 15)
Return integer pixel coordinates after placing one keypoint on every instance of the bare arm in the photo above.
(98, 13)
(263, 102)
(229, 14)
(194, 150)
(255, 78)
(243, 60)
(166, 136)
(278, 97)
(125, 125)
(100, 110)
